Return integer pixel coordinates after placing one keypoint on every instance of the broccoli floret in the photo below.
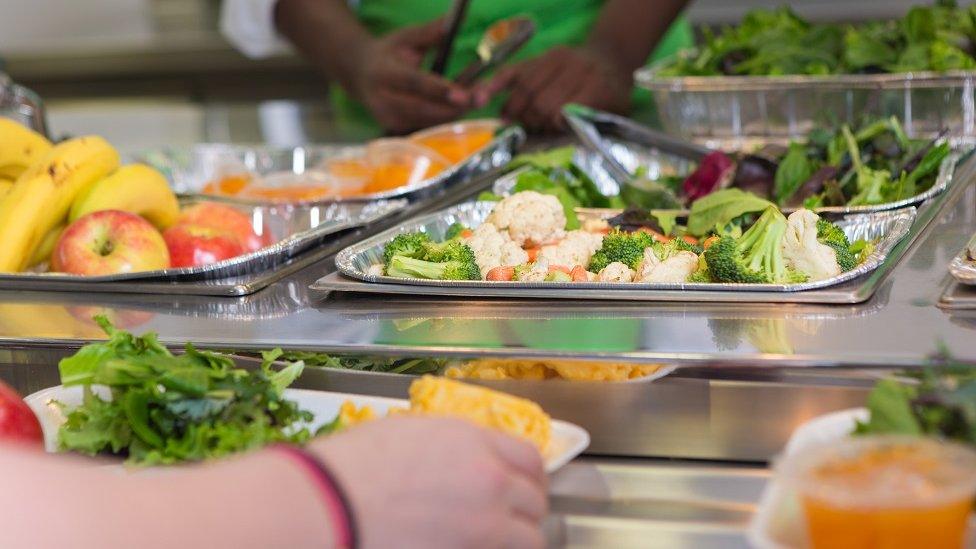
(455, 230)
(827, 232)
(521, 270)
(701, 276)
(406, 245)
(673, 246)
(452, 250)
(756, 257)
(627, 248)
(408, 267)
(833, 236)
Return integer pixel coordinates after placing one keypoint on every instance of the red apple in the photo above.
(195, 245)
(17, 421)
(109, 242)
(226, 219)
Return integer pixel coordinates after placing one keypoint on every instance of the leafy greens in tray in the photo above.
(774, 42)
(167, 408)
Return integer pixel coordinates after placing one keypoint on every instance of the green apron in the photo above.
(558, 22)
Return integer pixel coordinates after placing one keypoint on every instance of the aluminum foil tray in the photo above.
(189, 169)
(780, 107)
(356, 261)
(296, 228)
(616, 147)
(963, 266)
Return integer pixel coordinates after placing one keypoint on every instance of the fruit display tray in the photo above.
(297, 229)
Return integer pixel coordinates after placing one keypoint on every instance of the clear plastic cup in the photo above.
(399, 162)
(308, 186)
(457, 140)
(887, 492)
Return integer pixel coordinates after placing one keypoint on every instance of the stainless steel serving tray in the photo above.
(622, 146)
(963, 266)
(355, 262)
(189, 169)
(779, 107)
(297, 228)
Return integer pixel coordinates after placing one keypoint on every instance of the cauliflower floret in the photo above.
(616, 272)
(576, 249)
(537, 272)
(530, 218)
(493, 248)
(676, 268)
(803, 252)
(375, 270)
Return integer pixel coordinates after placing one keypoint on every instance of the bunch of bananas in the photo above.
(43, 187)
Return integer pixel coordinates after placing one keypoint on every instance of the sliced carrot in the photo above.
(579, 274)
(501, 274)
(560, 268)
(533, 253)
(690, 239)
(709, 241)
(467, 233)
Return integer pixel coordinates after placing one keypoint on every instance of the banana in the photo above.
(135, 188)
(5, 185)
(44, 250)
(42, 195)
(20, 147)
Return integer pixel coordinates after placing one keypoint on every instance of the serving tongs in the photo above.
(23, 105)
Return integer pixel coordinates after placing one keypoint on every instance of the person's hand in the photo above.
(538, 88)
(426, 482)
(400, 94)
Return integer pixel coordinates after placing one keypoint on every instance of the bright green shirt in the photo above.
(558, 22)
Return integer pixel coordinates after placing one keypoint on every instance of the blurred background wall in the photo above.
(153, 72)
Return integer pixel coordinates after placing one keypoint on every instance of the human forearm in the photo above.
(628, 30)
(328, 34)
(260, 500)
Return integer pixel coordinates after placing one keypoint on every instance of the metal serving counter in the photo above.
(899, 326)
(689, 450)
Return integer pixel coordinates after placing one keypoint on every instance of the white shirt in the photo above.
(249, 26)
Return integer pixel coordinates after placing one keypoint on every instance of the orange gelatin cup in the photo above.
(228, 185)
(459, 140)
(885, 492)
(398, 162)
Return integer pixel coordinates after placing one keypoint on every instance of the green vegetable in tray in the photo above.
(415, 255)
(167, 408)
(778, 42)
(754, 258)
(623, 247)
(716, 211)
(942, 403)
(794, 169)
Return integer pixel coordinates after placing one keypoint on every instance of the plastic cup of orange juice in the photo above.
(887, 492)
(308, 186)
(398, 162)
(457, 140)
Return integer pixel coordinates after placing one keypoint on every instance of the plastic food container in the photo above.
(884, 491)
(457, 141)
(400, 163)
(779, 107)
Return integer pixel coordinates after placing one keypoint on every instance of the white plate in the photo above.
(568, 440)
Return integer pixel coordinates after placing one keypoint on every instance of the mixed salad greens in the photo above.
(777, 42)
(870, 163)
(167, 408)
(942, 403)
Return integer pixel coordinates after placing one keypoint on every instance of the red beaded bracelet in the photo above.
(333, 497)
